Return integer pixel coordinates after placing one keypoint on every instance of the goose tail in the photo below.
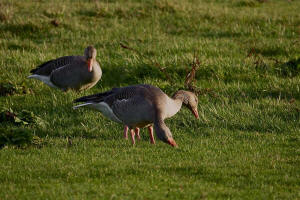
(81, 105)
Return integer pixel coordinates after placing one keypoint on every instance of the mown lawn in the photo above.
(246, 144)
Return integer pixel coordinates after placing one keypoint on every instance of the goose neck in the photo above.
(173, 106)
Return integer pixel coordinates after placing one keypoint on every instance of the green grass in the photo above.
(246, 144)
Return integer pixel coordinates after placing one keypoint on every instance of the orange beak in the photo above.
(172, 142)
(195, 112)
(89, 63)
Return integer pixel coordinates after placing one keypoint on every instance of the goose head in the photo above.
(189, 99)
(90, 55)
(163, 133)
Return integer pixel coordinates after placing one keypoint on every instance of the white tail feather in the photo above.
(31, 76)
(44, 79)
(103, 108)
(80, 105)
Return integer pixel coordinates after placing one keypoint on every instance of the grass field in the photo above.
(246, 144)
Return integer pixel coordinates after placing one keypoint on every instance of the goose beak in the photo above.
(195, 112)
(89, 63)
(172, 142)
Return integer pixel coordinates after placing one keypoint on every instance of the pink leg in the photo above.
(137, 132)
(150, 128)
(132, 136)
(126, 132)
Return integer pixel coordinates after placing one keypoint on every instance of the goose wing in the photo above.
(74, 75)
(96, 98)
(132, 105)
(46, 68)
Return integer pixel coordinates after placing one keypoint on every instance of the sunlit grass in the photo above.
(246, 143)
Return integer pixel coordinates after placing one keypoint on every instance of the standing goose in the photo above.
(141, 106)
(70, 72)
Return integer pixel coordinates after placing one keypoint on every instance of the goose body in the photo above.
(70, 72)
(139, 106)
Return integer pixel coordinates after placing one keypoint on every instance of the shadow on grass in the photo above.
(27, 31)
(130, 75)
(102, 171)
(187, 171)
(290, 68)
(271, 51)
(105, 172)
(191, 31)
(183, 26)
(221, 34)
(249, 3)
(121, 12)
(255, 93)
(19, 47)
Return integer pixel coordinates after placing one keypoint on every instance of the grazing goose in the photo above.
(70, 72)
(141, 106)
